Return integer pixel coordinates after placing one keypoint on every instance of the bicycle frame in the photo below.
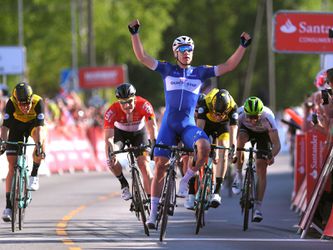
(249, 186)
(168, 200)
(20, 196)
(205, 188)
(140, 201)
(248, 190)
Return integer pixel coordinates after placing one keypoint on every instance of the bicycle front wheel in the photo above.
(23, 202)
(139, 199)
(167, 205)
(15, 193)
(246, 197)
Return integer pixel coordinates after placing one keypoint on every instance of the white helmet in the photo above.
(182, 40)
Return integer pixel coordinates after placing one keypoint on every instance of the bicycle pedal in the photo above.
(132, 207)
(171, 210)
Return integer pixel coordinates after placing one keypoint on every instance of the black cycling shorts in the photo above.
(215, 129)
(260, 138)
(135, 138)
(18, 133)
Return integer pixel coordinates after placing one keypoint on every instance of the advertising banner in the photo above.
(299, 168)
(12, 60)
(316, 152)
(302, 32)
(102, 77)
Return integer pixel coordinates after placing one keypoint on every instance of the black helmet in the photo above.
(23, 92)
(221, 101)
(124, 91)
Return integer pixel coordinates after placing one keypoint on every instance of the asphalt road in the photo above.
(85, 211)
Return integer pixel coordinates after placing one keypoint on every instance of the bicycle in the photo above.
(205, 189)
(249, 185)
(140, 202)
(167, 202)
(20, 196)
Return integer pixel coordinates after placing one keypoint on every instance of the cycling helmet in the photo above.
(23, 92)
(253, 106)
(182, 40)
(124, 91)
(221, 102)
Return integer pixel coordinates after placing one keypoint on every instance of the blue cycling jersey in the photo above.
(182, 86)
(181, 89)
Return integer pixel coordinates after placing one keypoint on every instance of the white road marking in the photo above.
(150, 239)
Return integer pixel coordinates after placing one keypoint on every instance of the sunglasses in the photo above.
(24, 103)
(123, 102)
(253, 117)
(184, 48)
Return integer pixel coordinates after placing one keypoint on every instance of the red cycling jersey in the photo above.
(116, 117)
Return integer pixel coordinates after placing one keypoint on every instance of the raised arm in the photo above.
(236, 57)
(138, 49)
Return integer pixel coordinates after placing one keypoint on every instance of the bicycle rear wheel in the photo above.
(23, 203)
(15, 196)
(139, 199)
(166, 206)
(246, 196)
(229, 180)
(201, 206)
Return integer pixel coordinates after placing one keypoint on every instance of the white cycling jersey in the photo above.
(265, 123)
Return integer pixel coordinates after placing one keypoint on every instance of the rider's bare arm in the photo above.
(234, 59)
(152, 128)
(108, 138)
(139, 51)
(201, 123)
(276, 146)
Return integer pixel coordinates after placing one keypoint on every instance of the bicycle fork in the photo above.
(24, 197)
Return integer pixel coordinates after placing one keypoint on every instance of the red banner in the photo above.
(99, 77)
(302, 32)
(316, 152)
(299, 168)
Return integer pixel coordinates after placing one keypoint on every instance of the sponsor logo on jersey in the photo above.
(147, 107)
(190, 85)
(40, 116)
(108, 115)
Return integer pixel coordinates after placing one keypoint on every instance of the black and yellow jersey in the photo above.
(13, 114)
(205, 110)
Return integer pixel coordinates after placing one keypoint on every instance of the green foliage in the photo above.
(215, 26)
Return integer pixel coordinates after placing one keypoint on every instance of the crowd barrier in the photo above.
(69, 149)
(312, 171)
(74, 148)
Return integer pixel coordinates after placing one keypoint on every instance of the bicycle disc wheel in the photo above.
(15, 196)
(246, 199)
(24, 202)
(200, 209)
(166, 206)
(139, 199)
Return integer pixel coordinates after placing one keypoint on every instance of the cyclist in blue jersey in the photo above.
(182, 84)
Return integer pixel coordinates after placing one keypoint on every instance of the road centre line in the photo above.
(61, 228)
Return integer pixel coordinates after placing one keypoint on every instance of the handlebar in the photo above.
(17, 143)
(214, 146)
(175, 148)
(129, 149)
(266, 153)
